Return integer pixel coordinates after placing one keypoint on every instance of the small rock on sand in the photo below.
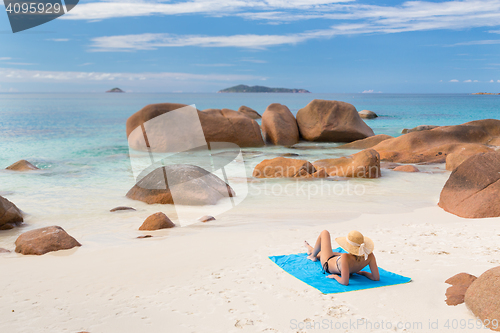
(206, 218)
(121, 208)
(144, 236)
(460, 283)
(157, 221)
(43, 240)
(2, 250)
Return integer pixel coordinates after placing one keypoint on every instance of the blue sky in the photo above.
(207, 45)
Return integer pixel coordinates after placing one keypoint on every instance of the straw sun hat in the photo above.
(355, 243)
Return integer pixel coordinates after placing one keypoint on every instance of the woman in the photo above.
(359, 255)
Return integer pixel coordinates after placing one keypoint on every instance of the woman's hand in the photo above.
(338, 278)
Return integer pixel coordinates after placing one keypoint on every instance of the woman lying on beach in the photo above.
(359, 256)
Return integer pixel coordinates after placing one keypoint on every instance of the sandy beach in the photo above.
(216, 276)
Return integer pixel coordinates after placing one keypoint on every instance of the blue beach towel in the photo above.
(311, 273)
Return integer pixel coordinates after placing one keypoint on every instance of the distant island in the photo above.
(115, 90)
(485, 93)
(260, 89)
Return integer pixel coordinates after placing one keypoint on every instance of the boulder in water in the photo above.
(432, 146)
(365, 164)
(367, 114)
(282, 167)
(279, 126)
(366, 143)
(10, 215)
(22, 165)
(418, 129)
(249, 112)
(171, 134)
(331, 121)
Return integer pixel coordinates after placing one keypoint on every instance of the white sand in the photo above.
(216, 277)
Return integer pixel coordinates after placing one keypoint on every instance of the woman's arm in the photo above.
(374, 275)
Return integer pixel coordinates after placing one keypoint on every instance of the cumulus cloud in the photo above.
(58, 39)
(454, 80)
(468, 81)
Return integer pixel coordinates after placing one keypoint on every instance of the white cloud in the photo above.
(214, 65)
(355, 19)
(498, 81)
(475, 81)
(111, 9)
(252, 60)
(20, 75)
(5, 58)
(492, 81)
(468, 81)
(494, 31)
(154, 41)
(478, 42)
(454, 80)
(368, 91)
(59, 39)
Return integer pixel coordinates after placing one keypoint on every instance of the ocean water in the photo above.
(79, 143)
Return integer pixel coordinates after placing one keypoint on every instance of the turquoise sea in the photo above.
(79, 143)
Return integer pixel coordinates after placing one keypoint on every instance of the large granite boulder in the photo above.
(21, 165)
(367, 114)
(218, 126)
(366, 143)
(279, 126)
(180, 184)
(43, 240)
(454, 159)
(331, 121)
(483, 298)
(432, 146)
(10, 215)
(282, 167)
(473, 189)
(249, 112)
(157, 221)
(365, 164)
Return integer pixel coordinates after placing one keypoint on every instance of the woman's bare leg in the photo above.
(323, 247)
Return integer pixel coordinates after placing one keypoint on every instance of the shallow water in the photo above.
(79, 143)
